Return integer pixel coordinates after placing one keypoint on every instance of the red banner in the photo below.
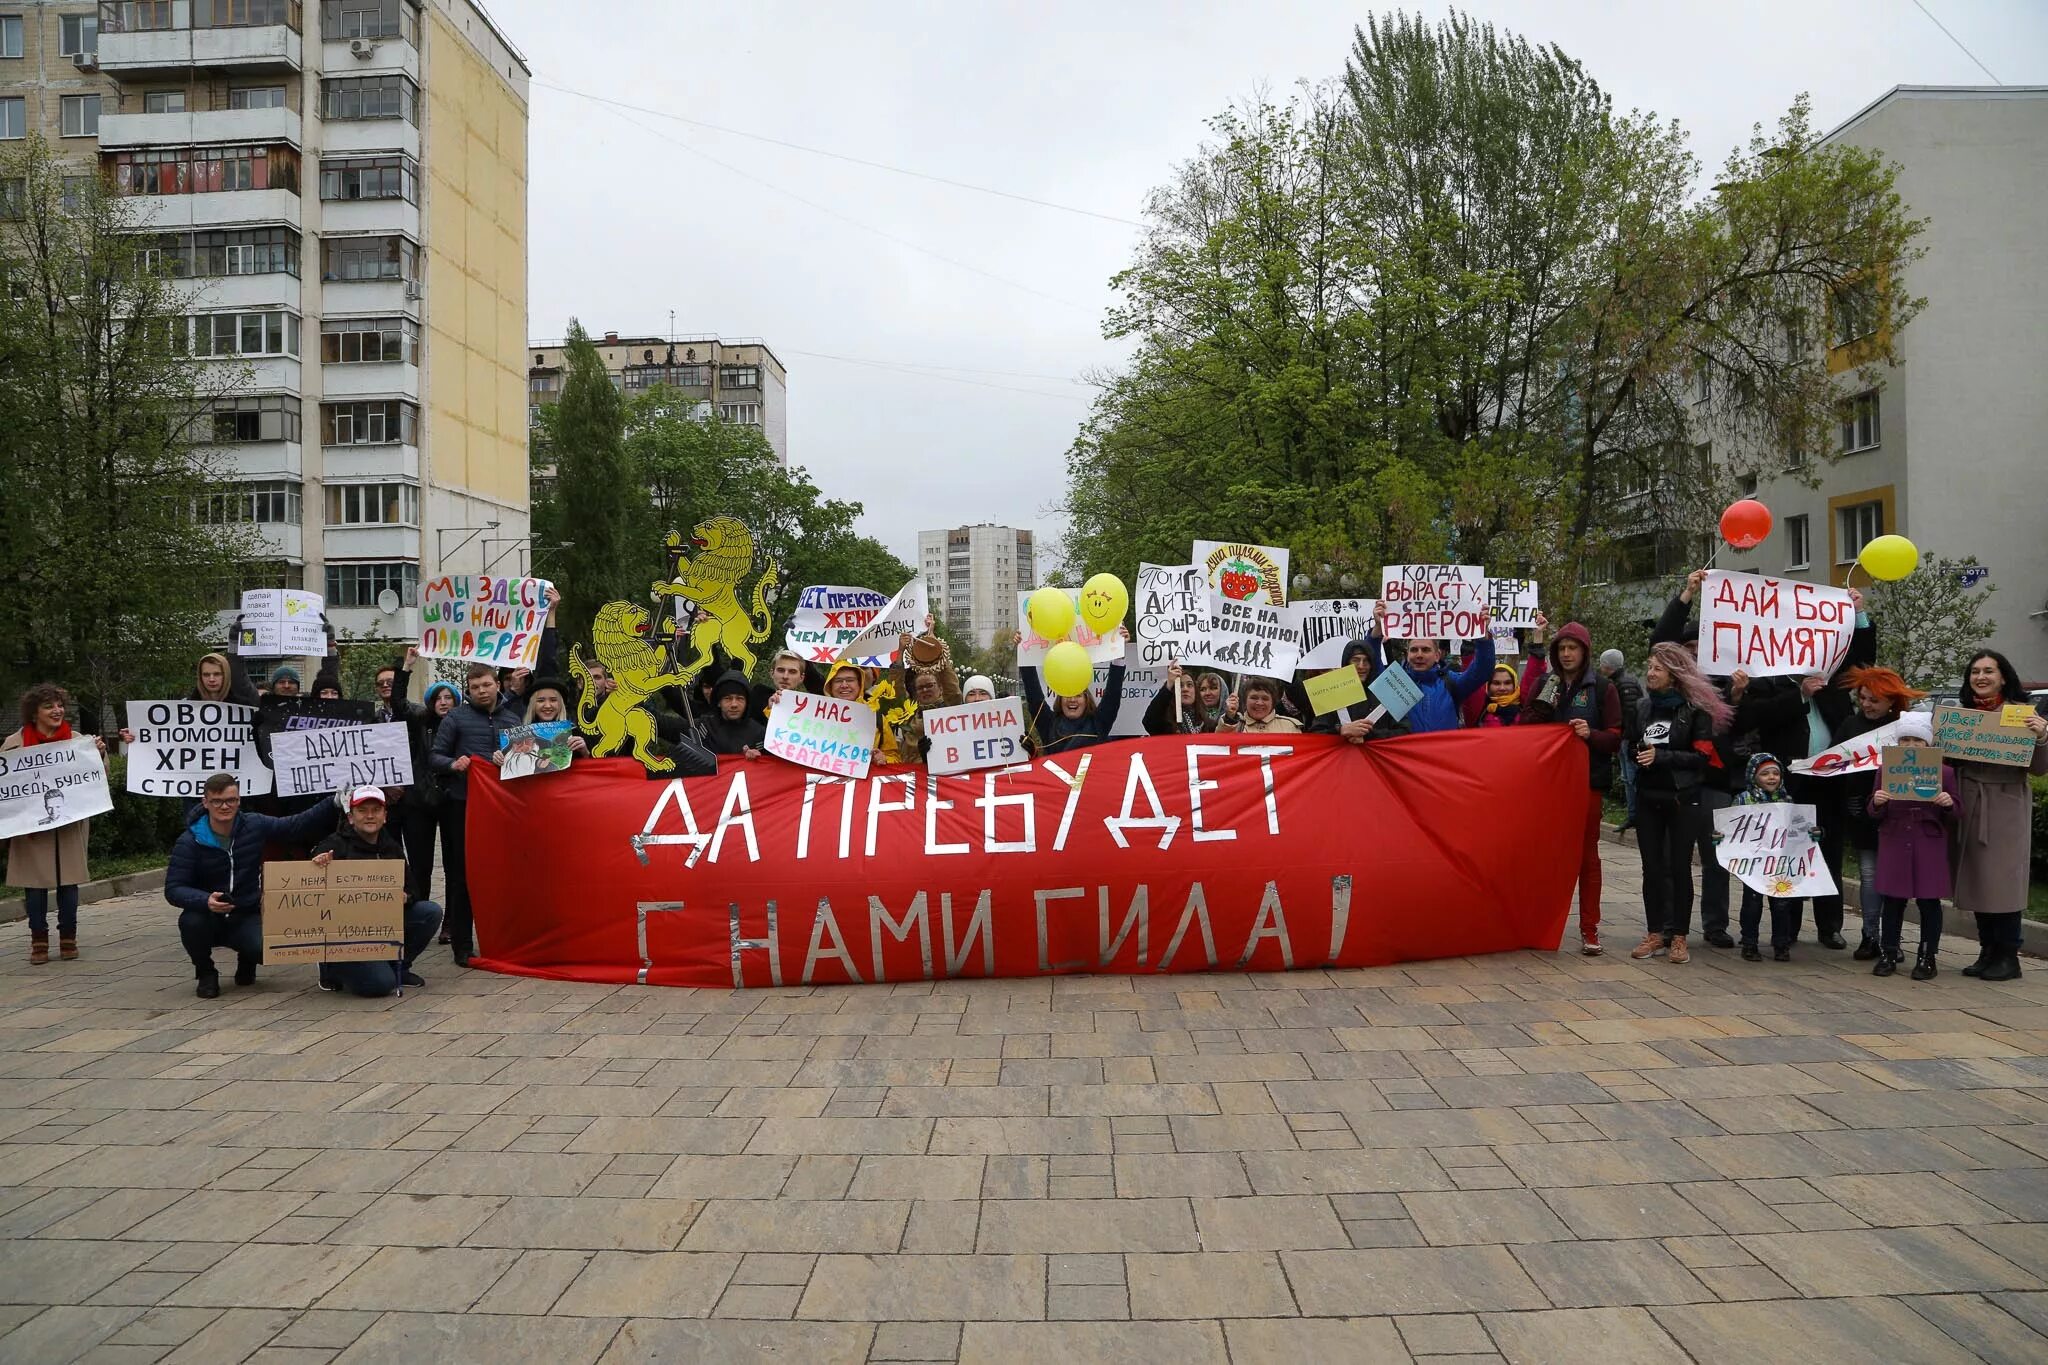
(1202, 853)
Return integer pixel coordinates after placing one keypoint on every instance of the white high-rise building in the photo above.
(973, 575)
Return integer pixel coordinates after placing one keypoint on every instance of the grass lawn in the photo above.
(2037, 901)
(102, 868)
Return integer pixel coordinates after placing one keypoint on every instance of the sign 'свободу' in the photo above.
(482, 619)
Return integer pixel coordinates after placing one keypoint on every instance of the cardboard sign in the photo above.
(347, 911)
(1335, 690)
(979, 734)
(48, 786)
(1865, 753)
(828, 617)
(1142, 682)
(881, 637)
(1247, 637)
(1512, 601)
(1968, 735)
(1171, 605)
(1770, 848)
(1239, 572)
(1102, 649)
(542, 747)
(1396, 691)
(479, 618)
(825, 733)
(1912, 772)
(308, 762)
(1773, 627)
(282, 621)
(1326, 625)
(1433, 601)
(179, 744)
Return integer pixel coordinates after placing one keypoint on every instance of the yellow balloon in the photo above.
(1068, 673)
(1889, 558)
(1052, 613)
(1104, 600)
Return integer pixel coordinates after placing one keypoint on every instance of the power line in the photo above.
(1957, 41)
(840, 156)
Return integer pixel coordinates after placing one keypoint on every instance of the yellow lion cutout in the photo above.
(619, 640)
(711, 581)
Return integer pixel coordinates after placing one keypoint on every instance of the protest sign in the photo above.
(1770, 848)
(542, 747)
(1433, 601)
(1865, 753)
(828, 617)
(1247, 637)
(1102, 649)
(282, 621)
(1335, 690)
(1238, 572)
(336, 758)
(179, 744)
(978, 734)
(1773, 627)
(47, 786)
(1327, 625)
(1506, 640)
(1172, 608)
(1970, 735)
(1912, 772)
(1141, 683)
(483, 619)
(1512, 601)
(826, 733)
(1396, 691)
(904, 615)
(351, 910)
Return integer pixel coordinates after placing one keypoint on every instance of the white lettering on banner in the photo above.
(1326, 627)
(978, 734)
(309, 762)
(1240, 572)
(1865, 753)
(1172, 609)
(828, 617)
(1102, 649)
(827, 733)
(483, 619)
(179, 744)
(1433, 601)
(282, 621)
(1773, 627)
(1512, 601)
(1770, 848)
(880, 638)
(47, 786)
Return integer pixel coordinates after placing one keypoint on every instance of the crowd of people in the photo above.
(1682, 744)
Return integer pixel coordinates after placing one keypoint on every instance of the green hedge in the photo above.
(2041, 830)
(138, 826)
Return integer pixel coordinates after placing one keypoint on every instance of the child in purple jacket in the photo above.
(1913, 861)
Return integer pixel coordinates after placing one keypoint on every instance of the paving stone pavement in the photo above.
(1523, 1157)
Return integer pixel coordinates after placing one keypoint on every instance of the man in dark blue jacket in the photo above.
(216, 877)
(468, 733)
(1443, 691)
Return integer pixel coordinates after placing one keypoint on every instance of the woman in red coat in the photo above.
(1913, 862)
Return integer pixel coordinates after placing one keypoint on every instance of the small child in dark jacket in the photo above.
(1765, 783)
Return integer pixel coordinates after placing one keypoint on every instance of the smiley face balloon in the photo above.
(1104, 600)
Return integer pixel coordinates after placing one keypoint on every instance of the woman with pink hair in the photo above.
(1672, 736)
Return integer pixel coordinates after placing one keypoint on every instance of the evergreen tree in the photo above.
(598, 514)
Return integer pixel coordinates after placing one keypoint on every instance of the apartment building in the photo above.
(740, 380)
(973, 574)
(344, 185)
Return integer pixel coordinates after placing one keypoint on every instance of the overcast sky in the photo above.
(1089, 103)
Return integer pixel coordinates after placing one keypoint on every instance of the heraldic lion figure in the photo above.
(712, 582)
(618, 637)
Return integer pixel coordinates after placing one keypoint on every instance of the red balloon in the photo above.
(1745, 524)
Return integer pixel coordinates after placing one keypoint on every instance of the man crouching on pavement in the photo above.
(366, 837)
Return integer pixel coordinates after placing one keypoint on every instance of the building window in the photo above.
(140, 16)
(13, 196)
(1798, 542)
(1746, 485)
(163, 102)
(373, 504)
(275, 504)
(369, 341)
(244, 13)
(1857, 525)
(71, 194)
(370, 19)
(1703, 385)
(81, 115)
(237, 251)
(266, 417)
(369, 177)
(739, 376)
(13, 117)
(78, 33)
(639, 378)
(1859, 423)
(245, 334)
(357, 585)
(369, 258)
(1853, 312)
(366, 97)
(203, 170)
(10, 35)
(384, 422)
(745, 414)
(256, 97)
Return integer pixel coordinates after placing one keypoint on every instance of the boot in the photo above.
(67, 948)
(1984, 954)
(245, 971)
(1867, 949)
(1923, 965)
(2004, 965)
(1887, 963)
(209, 984)
(38, 949)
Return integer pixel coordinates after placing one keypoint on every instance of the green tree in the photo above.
(596, 516)
(114, 559)
(1930, 622)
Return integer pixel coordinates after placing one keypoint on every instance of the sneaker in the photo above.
(1679, 952)
(1750, 953)
(1651, 945)
(1866, 950)
(1589, 943)
(1781, 954)
(1720, 938)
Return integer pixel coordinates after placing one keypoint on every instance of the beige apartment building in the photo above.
(972, 575)
(740, 380)
(344, 184)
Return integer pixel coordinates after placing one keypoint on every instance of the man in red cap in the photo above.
(366, 837)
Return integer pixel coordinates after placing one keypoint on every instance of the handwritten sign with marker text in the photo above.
(484, 619)
(978, 734)
(1396, 691)
(179, 744)
(1912, 772)
(1171, 609)
(1773, 627)
(308, 762)
(351, 910)
(826, 733)
(1433, 601)
(1335, 690)
(1973, 736)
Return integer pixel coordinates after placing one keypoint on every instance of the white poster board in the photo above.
(1327, 625)
(825, 733)
(339, 757)
(282, 622)
(1238, 571)
(1770, 848)
(880, 638)
(1248, 637)
(1171, 606)
(1773, 627)
(1433, 601)
(483, 618)
(48, 786)
(1142, 682)
(1512, 601)
(828, 616)
(179, 744)
(975, 734)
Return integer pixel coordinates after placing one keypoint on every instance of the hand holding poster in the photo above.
(1433, 601)
(281, 621)
(979, 734)
(1773, 627)
(47, 786)
(347, 911)
(1512, 601)
(1973, 736)
(1172, 608)
(1238, 572)
(1770, 848)
(308, 762)
(827, 617)
(1102, 649)
(1327, 626)
(1865, 753)
(483, 619)
(904, 615)
(1912, 772)
(826, 733)
(542, 747)
(179, 744)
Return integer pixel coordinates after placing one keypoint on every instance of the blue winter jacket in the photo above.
(1443, 690)
(202, 864)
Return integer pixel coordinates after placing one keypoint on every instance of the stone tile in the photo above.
(66, 1272)
(799, 1225)
(2023, 1244)
(983, 1288)
(325, 1328)
(734, 1341)
(1736, 1283)
(1886, 1261)
(230, 1215)
(1597, 1212)
(1086, 1302)
(1444, 1334)
(587, 1224)
(404, 1337)
(1409, 1280)
(1344, 1172)
(417, 1220)
(665, 1284)
(1982, 1327)
(916, 1341)
(1468, 1217)
(1138, 1343)
(165, 1327)
(1635, 1161)
(1912, 1199)
(1443, 1128)
(1909, 1108)
(918, 1177)
(1797, 1333)
(732, 1177)
(1610, 1274)
(830, 1136)
(271, 1277)
(506, 1173)
(366, 1172)
(112, 1214)
(1113, 1100)
(1209, 1285)
(1017, 1136)
(1070, 1225)
(1732, 1208)
(1277, 1341)
(534, 1282)
(2023, 1194)
(1586, 1336)
(68, 1332)
(421, 1279)
(1268, 1223)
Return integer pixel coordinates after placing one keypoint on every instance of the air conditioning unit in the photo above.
(362, 48)
(412, 289)
(86, 61)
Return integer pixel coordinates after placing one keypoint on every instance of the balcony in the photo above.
(370, 215)
(358, 135)
(279, 540)
(206, 125)
(223, 208)
(370, 380)
(129, 53)
(367, 298)
(254, 459)
(368, 623)
(258, 374)
(368, 461)
(371, 542)
(369, 57)
(217, 292)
